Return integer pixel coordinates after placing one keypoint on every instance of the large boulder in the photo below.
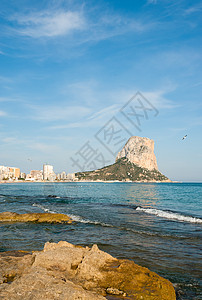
(64, 271)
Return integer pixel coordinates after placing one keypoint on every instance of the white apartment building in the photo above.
(48, 173)
(9, 172)
(63, 176)
(70, 176)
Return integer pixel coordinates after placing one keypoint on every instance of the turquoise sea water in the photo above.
(156, 225)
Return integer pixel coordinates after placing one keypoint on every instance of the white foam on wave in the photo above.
(73, 217)
(87, 221)
(44, 208)
(169, 215)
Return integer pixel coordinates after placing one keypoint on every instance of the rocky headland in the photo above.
(135, 162)
(67, 272)
(139, 151)
(34, 217)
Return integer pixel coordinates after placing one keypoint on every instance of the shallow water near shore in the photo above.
(158, 225)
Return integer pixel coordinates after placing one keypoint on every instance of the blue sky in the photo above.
(68, 67)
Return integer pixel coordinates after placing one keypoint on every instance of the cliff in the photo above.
(139, 151)
(64, 271)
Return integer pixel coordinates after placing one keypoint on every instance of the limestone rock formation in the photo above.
(64, 271)
(34, 217)
(135, 162)
(139, 151)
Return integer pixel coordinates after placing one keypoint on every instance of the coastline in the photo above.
(91, 181)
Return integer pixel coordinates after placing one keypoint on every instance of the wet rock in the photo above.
(34, 217)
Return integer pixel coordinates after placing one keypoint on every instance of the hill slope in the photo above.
(123, 170)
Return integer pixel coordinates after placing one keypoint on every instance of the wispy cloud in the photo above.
(193, 9)
(152, 1)
(109, 25)
(59, 112)
(92, 120)
(49, 23)
(46, 148)
(197, 84)
(12, 99)
(158, 98)
(52, 24)
(10, 140)
(103, 113)
(3, 113)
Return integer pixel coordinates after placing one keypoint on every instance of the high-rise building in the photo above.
(48, 173)
(16, 172)
(63, 176)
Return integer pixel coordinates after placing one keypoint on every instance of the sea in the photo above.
(157, 225)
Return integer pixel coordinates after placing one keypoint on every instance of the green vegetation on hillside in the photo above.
(122, 170)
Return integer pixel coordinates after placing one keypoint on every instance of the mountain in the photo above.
(135, 162)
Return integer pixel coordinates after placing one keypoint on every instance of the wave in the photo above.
(170, 215)
(44, 208)
(87, 221)
(74, 217)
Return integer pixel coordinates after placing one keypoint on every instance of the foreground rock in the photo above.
(34, 217)
(67, 272)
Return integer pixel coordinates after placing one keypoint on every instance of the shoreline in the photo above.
(90, 181)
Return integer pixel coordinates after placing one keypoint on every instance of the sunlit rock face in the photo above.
(65, 271)
(139, 151)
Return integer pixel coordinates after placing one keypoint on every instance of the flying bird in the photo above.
(184, 137)
(29, 159)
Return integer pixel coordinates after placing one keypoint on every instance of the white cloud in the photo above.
(2, 113)
(49, 23)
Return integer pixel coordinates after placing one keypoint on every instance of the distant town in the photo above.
(47, 174)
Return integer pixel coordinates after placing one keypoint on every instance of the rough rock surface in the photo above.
(67, 272)
(34, 217)
(139, 151)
